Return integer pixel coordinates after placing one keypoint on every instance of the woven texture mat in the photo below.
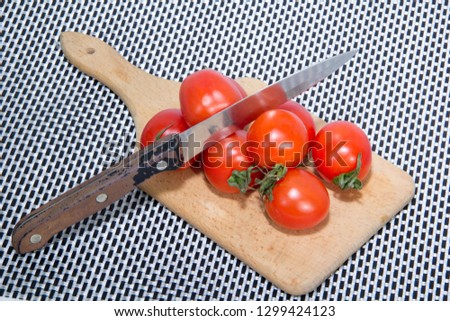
(60, 127)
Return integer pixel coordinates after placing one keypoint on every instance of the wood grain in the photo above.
(296, 262)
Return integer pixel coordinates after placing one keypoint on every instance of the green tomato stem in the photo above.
(350, 180)
(242, 179)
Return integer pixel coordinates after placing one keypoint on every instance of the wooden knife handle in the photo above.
(33, 231)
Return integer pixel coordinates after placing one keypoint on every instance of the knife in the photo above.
(34, 230)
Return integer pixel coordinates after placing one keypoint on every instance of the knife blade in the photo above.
(34, 230)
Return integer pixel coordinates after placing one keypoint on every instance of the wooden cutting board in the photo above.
(296, 262)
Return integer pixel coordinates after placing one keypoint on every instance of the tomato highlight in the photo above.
(206, 92)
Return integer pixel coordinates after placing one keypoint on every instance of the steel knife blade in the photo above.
(34, 230)
(222, 124)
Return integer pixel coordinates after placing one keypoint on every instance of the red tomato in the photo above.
(166, 122)
(335, 153)
(302, 113)
(277, 137)
(221, 159)
(206, 92)
(300, 200)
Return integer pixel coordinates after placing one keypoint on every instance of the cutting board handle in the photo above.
(139, 90)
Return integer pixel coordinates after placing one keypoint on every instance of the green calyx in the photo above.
(243, 180)
(350, 180)
(268, 182)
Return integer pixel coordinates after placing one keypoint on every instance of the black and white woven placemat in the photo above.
(60, 127)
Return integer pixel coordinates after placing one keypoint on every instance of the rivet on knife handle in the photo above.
(35, 230)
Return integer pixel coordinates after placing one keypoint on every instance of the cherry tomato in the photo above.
(277, 137)
(302, 113)
(336, 150)
(299, 200)
(206, 92)
(166, 122)
(221, 159)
